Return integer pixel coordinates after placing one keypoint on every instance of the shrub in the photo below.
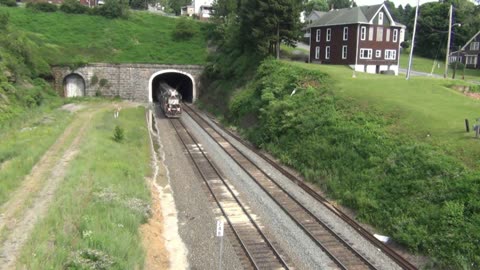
(118, 134)
(184, 30)
(42, 6)
(8, 3)
(4, 20)
(103, 82)
(74, 7)
(114, 9)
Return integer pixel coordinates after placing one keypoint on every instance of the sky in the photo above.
(412, 3)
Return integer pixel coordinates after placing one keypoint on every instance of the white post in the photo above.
(220, 234)
(448, 40)
(413, 40)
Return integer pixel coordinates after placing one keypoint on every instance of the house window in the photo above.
(395, 35)
(471, 60)
(365, 53)
(380, 18)
(345, 33)
(379, 33)
(318, 35)
(474, 46)
(370, 33)
(378, 53)
(390, 54)
(329, 34)
(344, 52)
(387, 35)
(363, 33)
(327, 52)
(317, 52)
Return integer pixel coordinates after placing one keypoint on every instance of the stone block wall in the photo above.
(127, 81)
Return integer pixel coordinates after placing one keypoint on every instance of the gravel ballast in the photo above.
(381, 260)
(196, 219)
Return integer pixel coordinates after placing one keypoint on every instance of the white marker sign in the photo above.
(219, 228)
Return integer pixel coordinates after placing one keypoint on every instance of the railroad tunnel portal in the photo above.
(183, 82)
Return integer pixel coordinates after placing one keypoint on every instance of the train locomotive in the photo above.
(169, 99)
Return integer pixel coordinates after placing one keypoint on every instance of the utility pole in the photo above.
(448, 41)
(413, 41)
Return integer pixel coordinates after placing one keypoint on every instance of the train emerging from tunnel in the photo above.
(170, 100)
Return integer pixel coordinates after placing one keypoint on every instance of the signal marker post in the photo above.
(220, 234)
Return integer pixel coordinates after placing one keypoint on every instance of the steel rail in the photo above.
(299, 223)
(402, 262)
(237, 234)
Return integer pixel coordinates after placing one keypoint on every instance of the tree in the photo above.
(318, 5)
(176, 5)
(264, 24)
(224, 8)
(338, 4)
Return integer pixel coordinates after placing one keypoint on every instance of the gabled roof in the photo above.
(472, 39)
(317, 13)
(353, 15)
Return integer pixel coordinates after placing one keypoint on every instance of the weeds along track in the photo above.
(332, 244)
(259, 250)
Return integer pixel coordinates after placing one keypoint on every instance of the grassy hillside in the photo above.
(395, 151)
(437, 67)
(424, 109)
(142, 38)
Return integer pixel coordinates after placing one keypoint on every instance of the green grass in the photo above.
(24, 142)
(143, 38)
(418, 107)
(101, 203)
(428, 65)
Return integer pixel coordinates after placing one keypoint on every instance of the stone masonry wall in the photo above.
(128, 81)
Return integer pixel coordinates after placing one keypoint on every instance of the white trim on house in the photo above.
(345, 33)
(327, 52)
(368, 54)
(390, 54)
(363, 32)
(344, 52)
(318, 35)
(392, 22)
(317, 52)
(328, 36)
(378, 53)
(395, 35)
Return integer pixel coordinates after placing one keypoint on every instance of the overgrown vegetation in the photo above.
(21, 63)
(415, 191)
(94, 220)
(142, 38)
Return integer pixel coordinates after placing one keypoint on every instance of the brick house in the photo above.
(469, 54)
(366, 38)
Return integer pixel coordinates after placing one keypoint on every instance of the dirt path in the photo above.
(17, 220)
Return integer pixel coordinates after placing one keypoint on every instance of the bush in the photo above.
(8, 3)
(114, 9)
(42, 6)
(74, 7)
(184, 30)
(118, 134)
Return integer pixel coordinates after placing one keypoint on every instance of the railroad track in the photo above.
(259, 250)
(334, 246)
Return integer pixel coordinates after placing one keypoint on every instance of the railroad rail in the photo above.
(397, 258)
(260, 251)
(339, 251)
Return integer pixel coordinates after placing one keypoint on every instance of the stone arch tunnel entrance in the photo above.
(74, 86)
(183, 82)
